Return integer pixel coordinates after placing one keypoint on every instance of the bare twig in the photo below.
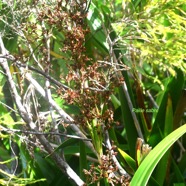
(47, 83)
(47, 76)
(136, 123)
(42, 133)
(114, 61)
(51, 79)
(152, 99)
(64, 167)
(8, 107)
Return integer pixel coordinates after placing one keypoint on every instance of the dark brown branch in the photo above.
(19, 64)
(42, 133)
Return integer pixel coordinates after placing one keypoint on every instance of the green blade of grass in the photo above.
(82, 159)
(128, 123)
(175, 93)
(129, 160)
(146, 168)
(164, 163)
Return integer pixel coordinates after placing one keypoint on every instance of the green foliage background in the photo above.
(143, 44)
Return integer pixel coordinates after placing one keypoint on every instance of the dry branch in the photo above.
(64, 167)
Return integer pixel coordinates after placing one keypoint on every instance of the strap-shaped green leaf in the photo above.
(146, 168)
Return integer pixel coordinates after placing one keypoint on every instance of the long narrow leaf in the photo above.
(163, 166)
(82, 159)
(146, 168)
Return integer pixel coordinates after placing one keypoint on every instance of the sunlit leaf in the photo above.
(146, 168)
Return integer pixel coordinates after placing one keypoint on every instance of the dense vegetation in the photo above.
(92, 92)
